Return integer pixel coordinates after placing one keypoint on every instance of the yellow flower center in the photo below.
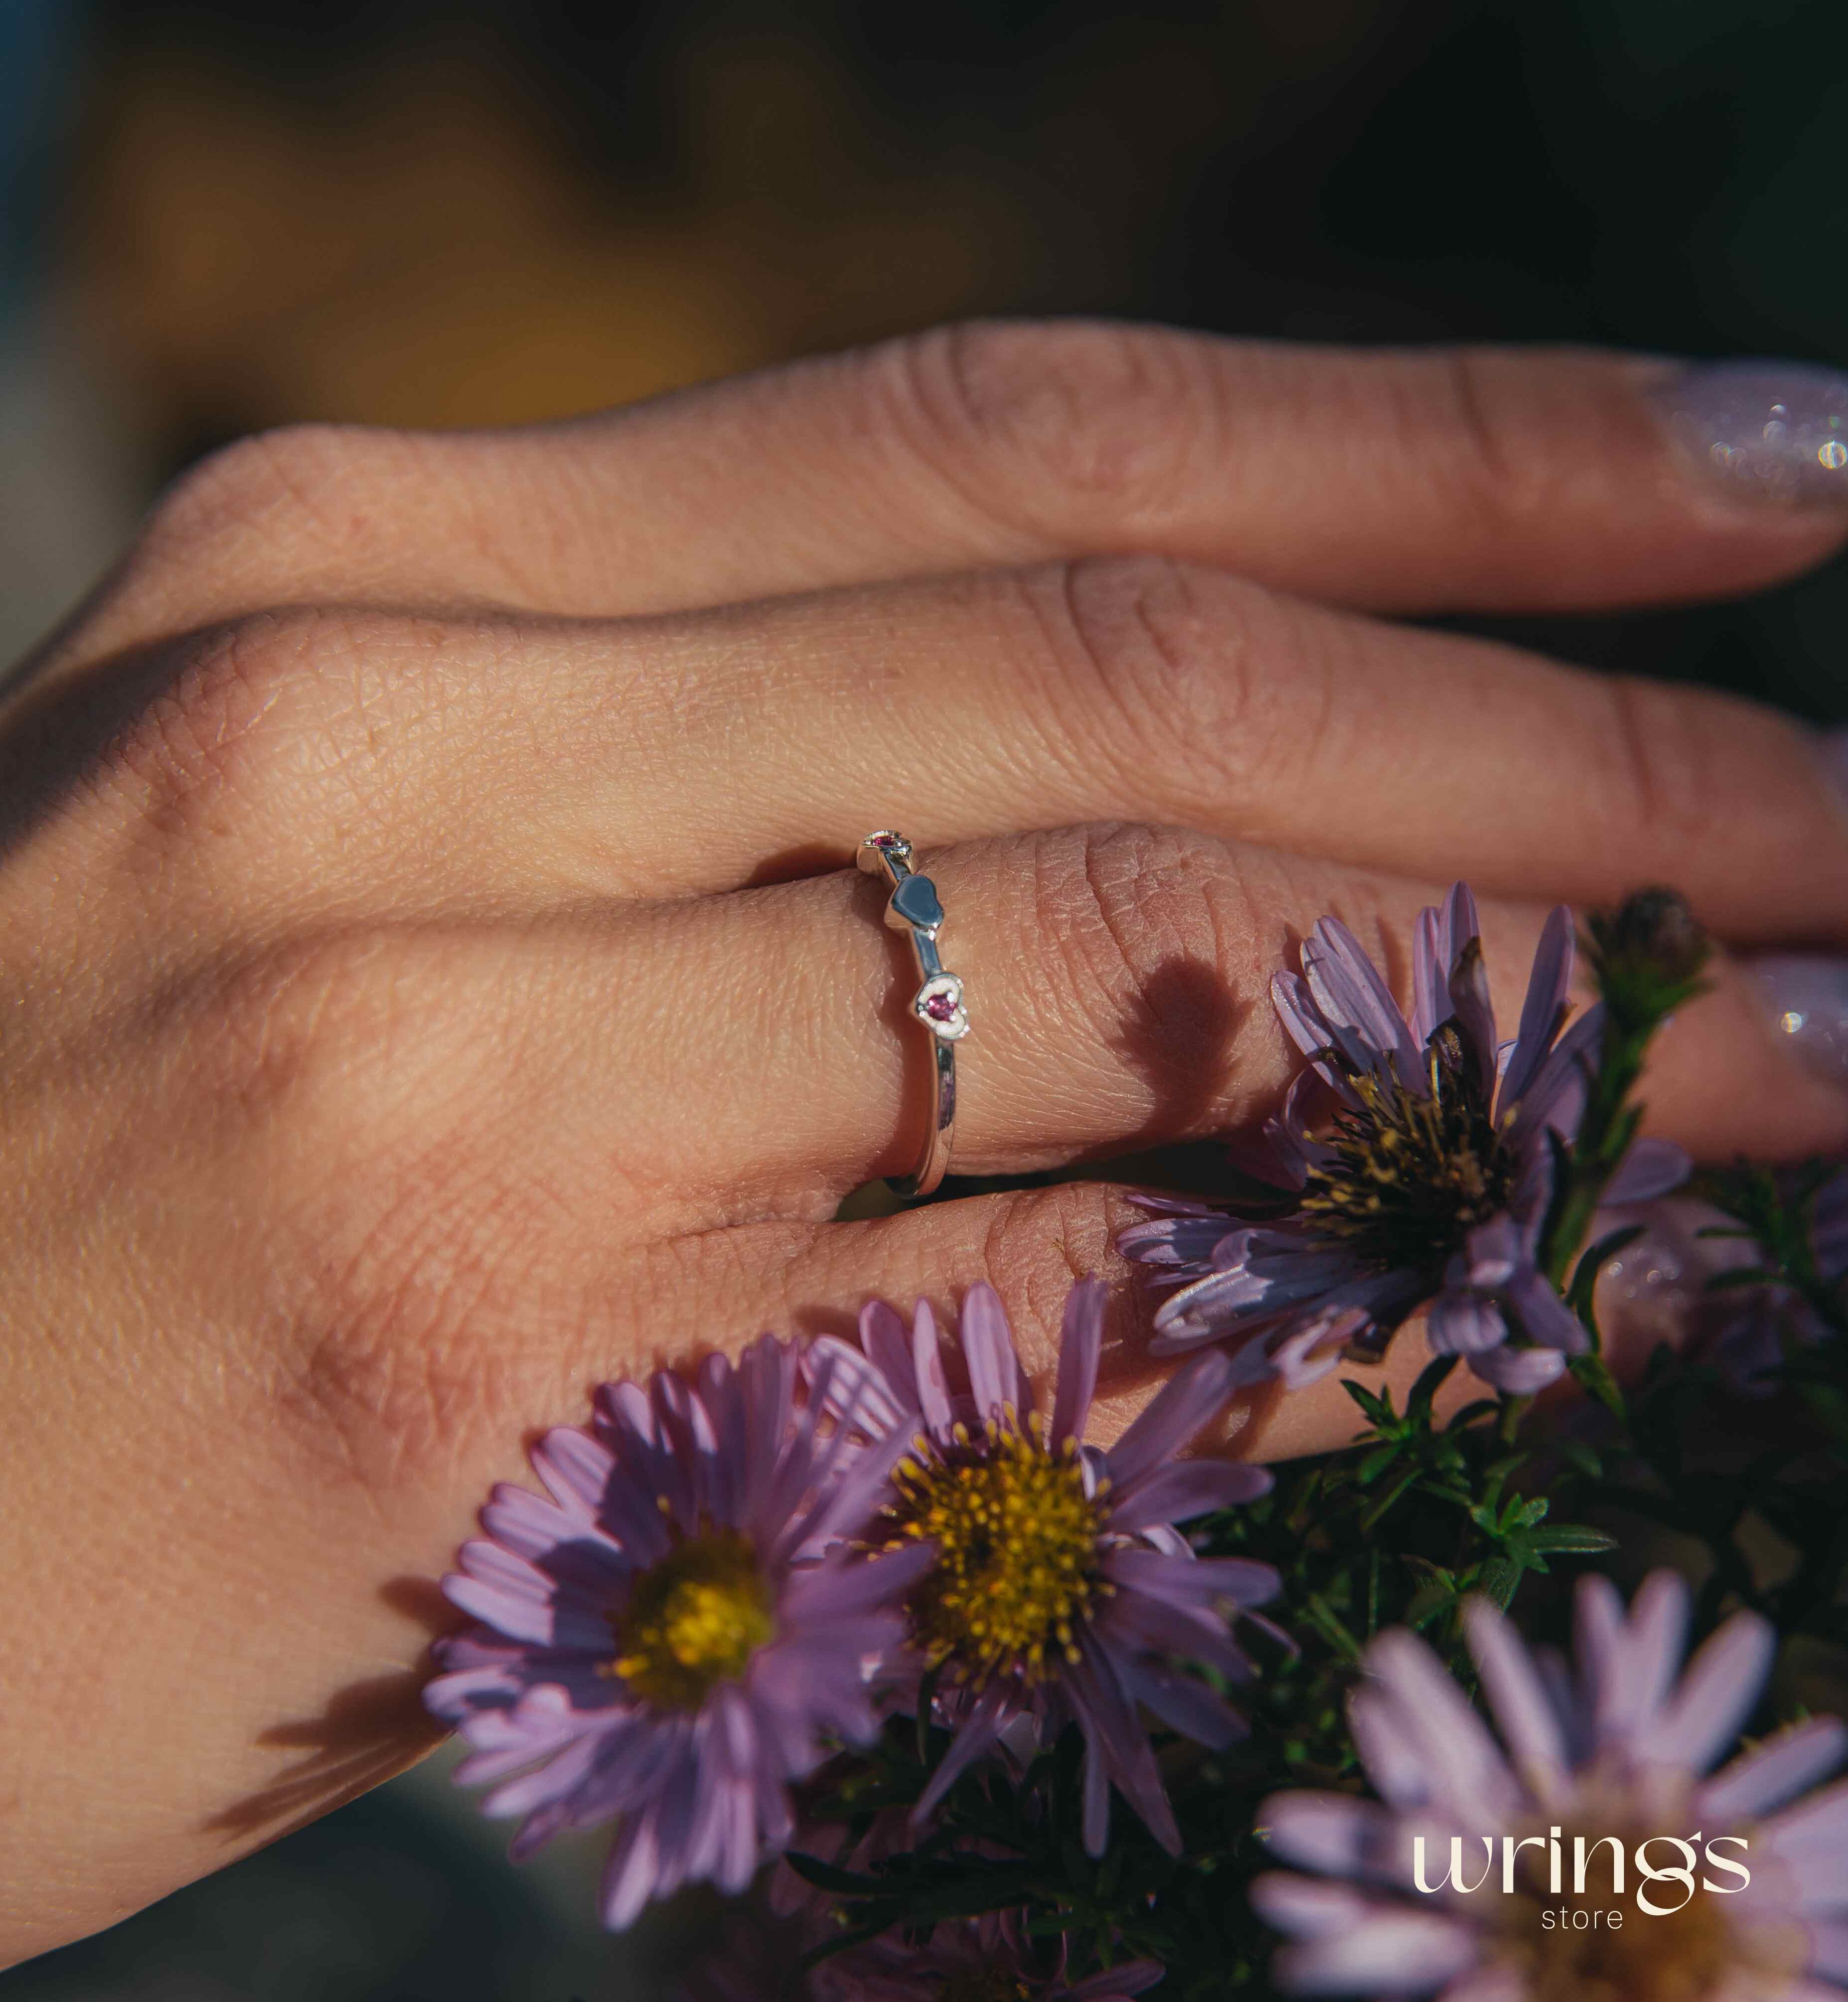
(1411, 1175)
(1016, 1568)
(692, 1621)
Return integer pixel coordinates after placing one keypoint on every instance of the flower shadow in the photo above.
(1178, 1039)
(368, 1732)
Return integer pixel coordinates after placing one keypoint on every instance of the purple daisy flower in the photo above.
(1430, 1190)
(971, 1960)
(1618, 1756)
(1060, 1591)
(663, 1643)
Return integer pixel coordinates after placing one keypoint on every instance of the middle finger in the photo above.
(664, 757)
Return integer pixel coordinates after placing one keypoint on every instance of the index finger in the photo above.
(1457, 479)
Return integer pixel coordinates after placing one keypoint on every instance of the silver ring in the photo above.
(913, 907)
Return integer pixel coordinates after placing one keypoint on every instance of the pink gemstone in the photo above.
(940, 1007)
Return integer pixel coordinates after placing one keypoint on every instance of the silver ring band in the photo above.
(913, 907)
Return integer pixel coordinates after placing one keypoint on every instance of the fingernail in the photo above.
(1805, 999)
(1772, 431)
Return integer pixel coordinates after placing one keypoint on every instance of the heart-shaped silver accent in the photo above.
(915, 903)
(938, 1004)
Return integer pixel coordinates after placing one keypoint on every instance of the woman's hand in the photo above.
(434, 981)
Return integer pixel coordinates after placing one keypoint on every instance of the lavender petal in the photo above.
(1520, 1372)
(1191, 1397)
(927, 1363)
(1717, 1692)
(1522, 1705)
(1080, 1339)
(1650, 1168)
(1181, 1490)
(1397, 1952)
(1541, 1016)
(1352, 996)
(1332, 1832)
(1461, 1322)
(988, 1346)
(1773, 1772)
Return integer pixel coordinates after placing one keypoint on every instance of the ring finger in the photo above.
(1118, 979)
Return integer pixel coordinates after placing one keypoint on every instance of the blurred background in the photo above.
(218, 218)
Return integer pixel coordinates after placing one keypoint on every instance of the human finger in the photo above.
(1030, 1245)
(366, 756)
(1400, 480)
(1117, 979)
(1145, 690)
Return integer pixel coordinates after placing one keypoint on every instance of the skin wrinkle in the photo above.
(941, 412)
(1494, 478)
(1043, 411)
(1163, 697)
(1043, 662)
(1636, 755)
(1128, 886)
(1672, 765)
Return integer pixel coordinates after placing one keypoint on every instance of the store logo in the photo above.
(1649, 1870)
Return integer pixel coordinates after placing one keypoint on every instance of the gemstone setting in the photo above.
(886, 844)
(938, 1004)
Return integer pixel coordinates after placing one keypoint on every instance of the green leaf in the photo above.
(840, 1942)
(1435, 1595)
(1380, 1410)
(1579, 1294)
(1430, 1380)
(1370, 1520)
(826, 1876)
(1566, 1539)
(1593, 1374)
(1376, 1463)
(1472, 1413)
(1500, 1578)
(1741, 1275)
(1328, 1623)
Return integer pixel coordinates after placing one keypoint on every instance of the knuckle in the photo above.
(235, 727)
(1050, 412)
(1491, 478)
(242, 486)
(1667, 765)
(1123, 910)
(1138, 628)
(1200, 672)
(1034, 1243)
(190, 746)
